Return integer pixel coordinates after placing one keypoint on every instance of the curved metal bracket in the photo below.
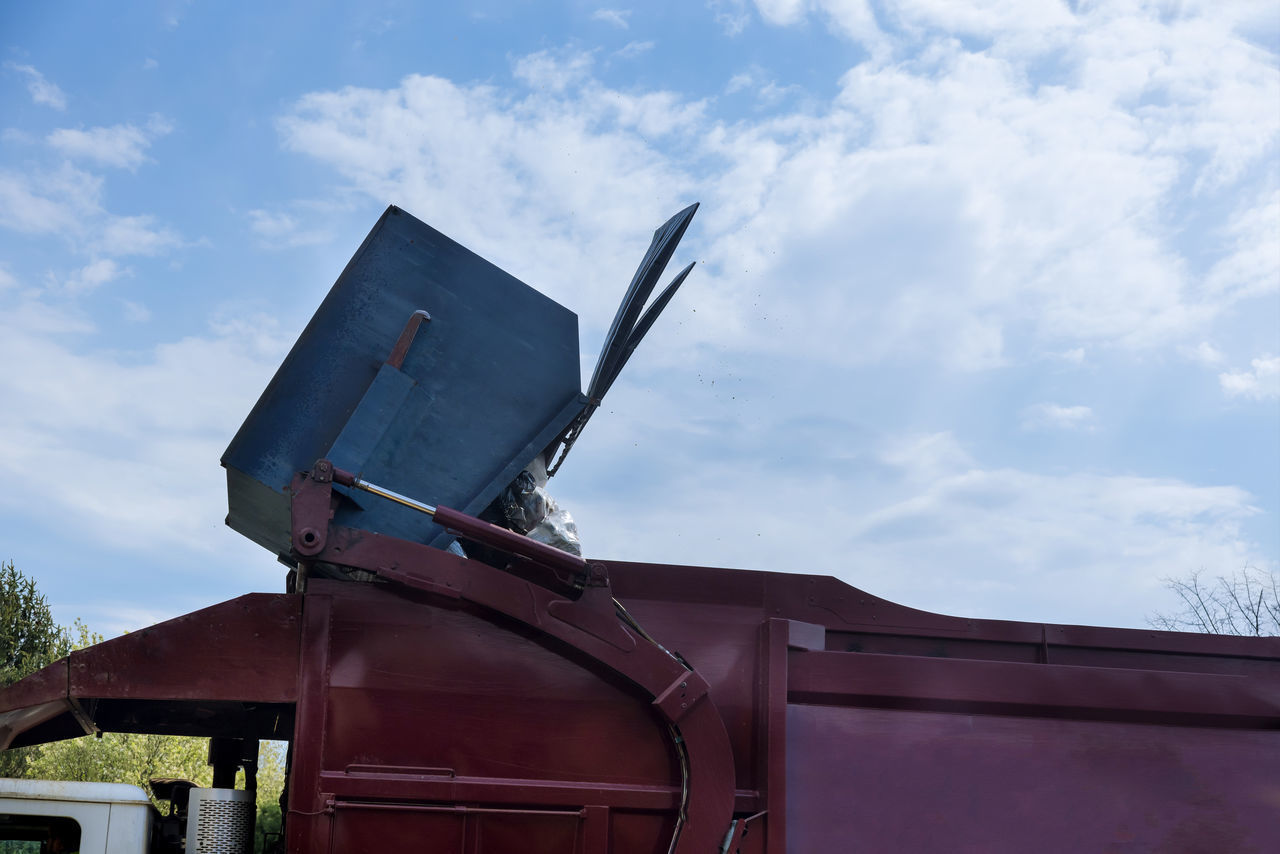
(590, 625)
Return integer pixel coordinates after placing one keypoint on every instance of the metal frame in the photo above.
(590, 624)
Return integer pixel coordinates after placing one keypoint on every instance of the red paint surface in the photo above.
(470, 716)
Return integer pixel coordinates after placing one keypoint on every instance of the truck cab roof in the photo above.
(64, 790)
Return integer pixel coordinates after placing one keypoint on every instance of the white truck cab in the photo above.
(55, 817)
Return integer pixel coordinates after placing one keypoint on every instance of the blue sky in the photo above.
(986, 319)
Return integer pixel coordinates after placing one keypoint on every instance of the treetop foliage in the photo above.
(29, 637)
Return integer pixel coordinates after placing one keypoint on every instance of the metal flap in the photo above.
(447, 411)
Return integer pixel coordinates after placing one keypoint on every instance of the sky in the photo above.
(985, 321)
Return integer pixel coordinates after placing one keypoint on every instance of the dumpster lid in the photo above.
(427, 370)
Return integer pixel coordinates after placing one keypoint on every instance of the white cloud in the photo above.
(731, 15)
(48, 202)
(1058, 417)
(42, 91)
(1205, 353)
(506, 174)
(782, 12)
(1251, 265)
(14, 135)
(988, 18)
(83, 426)
(853, 19)
(953, 150)
(919, 522)
(135, 312)
(616, 17)
(1260, 383)
(134, 235)
(7, 279)
(633, 49)
(768, 92)
(947, 208)
(68, 202)
(282, 230)
(93, 275)
(123, 146)
(554, 71)
(740, 81)
(150, 64)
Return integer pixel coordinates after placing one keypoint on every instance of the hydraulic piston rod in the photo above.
(477, 529)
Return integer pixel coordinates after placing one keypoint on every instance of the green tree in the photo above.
(271, 760)
(29, 639)
(121, 757)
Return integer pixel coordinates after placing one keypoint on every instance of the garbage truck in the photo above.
(451, 674)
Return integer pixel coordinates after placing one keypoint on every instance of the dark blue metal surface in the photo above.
(486, 385)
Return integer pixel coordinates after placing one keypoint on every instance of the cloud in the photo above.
(853, 19)
(48, 202)
(615, 17)
(910, 205)
(633, 49)
(508, 172)
(1250, 265)
(731, 15)
(84, 425)
(1055, 416)
(135, 312)
(1003, 18)
(554, 71)
(916, 519)
(767, 91)
(42, 91)
(781, 12)
(123, 146)
(1205, 353)
(68, 202)
(282, 230)
(134, 235)
(899, 226)
(740, 81)
(93, 275)
(1260, 383)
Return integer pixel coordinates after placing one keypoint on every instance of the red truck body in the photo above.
(425, 721)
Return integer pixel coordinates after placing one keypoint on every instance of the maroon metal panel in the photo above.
(412, 701)
(846, 611)
(25, 718)
(590, 627)
(997, 687)
(308, 822)
(772, 731)
(375, 828)
(882, 780)
(237, 653)
(461, 708)
(47, 685)
(244, 649)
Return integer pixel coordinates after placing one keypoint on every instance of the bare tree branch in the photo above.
(1247, 602)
